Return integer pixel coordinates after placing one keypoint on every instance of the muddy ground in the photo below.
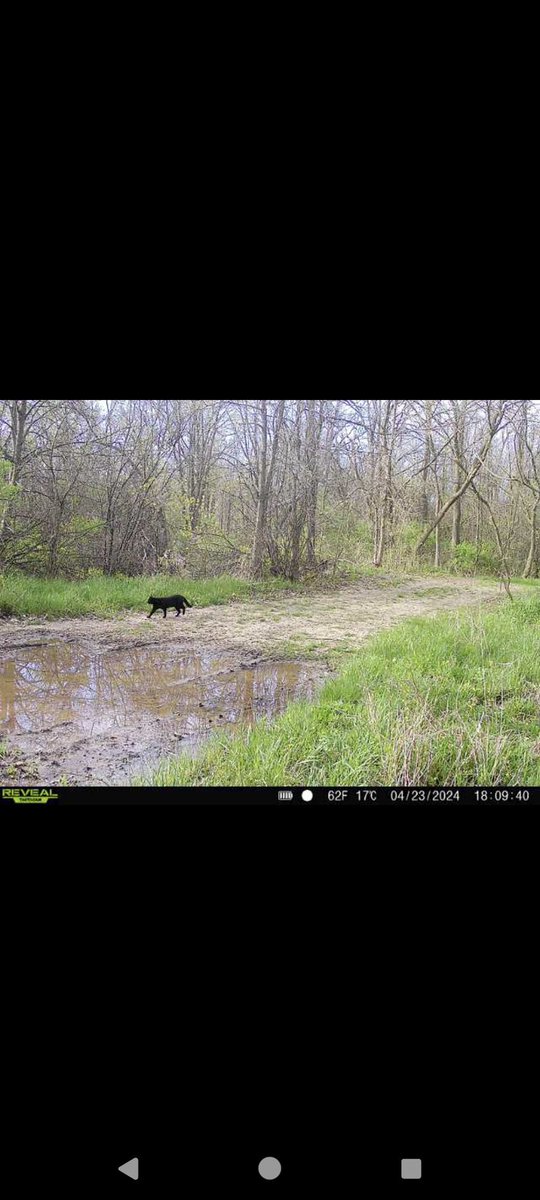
(98, 701)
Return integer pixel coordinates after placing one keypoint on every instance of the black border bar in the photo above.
(362, 796)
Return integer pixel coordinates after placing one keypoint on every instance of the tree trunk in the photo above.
(386, 508)
(381, 539)
(423, 506)
(459, 447)
(259, 541)
(531, 564)
(299, 496)
(265, 472)
(313, 439)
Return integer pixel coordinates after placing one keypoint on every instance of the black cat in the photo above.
(178, 602)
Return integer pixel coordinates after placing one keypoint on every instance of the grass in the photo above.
(103, 596)
(450, 699)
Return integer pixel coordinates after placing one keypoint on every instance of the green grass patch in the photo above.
(450, 699)
(103, 596)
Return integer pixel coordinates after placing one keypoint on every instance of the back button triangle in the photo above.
(131, 1168)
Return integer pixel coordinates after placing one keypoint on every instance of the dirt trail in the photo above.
(96, 701)
(325, 618)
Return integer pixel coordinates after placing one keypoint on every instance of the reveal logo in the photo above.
(29, 795)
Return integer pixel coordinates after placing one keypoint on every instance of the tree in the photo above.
(496, 413)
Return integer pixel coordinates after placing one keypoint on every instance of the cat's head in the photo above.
(151, 600)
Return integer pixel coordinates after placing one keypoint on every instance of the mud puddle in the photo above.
(101, 718)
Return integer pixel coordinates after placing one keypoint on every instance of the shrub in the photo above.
(469, 559)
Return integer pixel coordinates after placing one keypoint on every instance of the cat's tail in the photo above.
(188, 604)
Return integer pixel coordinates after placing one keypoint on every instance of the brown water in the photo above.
(104, 717)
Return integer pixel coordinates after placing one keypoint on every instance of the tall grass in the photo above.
(22, 595)
(451, 699)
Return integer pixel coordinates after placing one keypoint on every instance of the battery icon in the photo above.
(285, 795)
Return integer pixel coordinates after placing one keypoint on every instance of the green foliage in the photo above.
(8, 491)
(411, 533)
(178, 512)
(468, 559)
(363, 533)
(33, 552)
(343, 539)
(196, 540)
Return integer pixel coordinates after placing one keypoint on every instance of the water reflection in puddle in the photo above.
(55, 697)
